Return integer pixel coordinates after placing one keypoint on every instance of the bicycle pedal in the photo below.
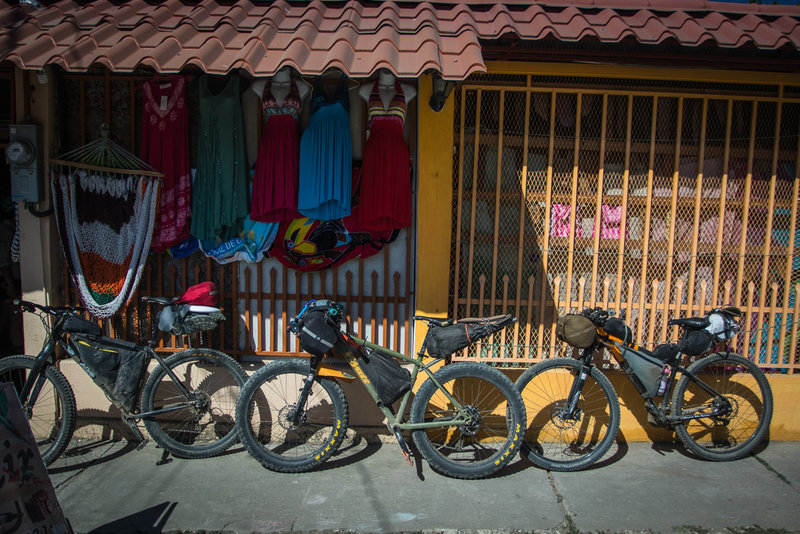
(408, 457)
(141, 444)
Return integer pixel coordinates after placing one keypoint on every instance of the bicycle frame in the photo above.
(661, 412)
(395, 420)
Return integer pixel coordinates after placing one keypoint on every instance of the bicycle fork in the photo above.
(570, 410)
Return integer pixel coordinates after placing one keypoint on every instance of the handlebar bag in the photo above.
(388, 377)
(443, 341)
(319, 327)
(576, 330)
(116, 366)
(616, 327)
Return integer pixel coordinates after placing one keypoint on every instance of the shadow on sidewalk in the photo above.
(152, 519)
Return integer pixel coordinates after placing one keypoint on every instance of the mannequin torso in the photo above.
(280, 85)
(386, 88)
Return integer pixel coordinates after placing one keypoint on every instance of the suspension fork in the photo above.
(577, 383)
(294, 417)
(35, 381)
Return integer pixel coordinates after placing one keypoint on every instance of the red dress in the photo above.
(274, 196)
(165, 147)
(385, 198)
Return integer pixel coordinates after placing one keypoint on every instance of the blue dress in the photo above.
(326, 157)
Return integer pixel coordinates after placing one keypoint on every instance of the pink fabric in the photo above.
(559, 221)
(610, 222)
(165, 147)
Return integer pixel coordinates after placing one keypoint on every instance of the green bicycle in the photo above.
(466, 418)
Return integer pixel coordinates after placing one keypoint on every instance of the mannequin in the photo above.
(385, 186)
(386, 88)
(280, 85)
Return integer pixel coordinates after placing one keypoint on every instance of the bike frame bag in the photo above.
(116, 366)
(388, 377)
(644, 370)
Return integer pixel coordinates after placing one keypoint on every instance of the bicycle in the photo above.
(720, 407)
(466, 419)
(186, 402)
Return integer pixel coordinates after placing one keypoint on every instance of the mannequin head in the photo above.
(385, 77)
(283, 75)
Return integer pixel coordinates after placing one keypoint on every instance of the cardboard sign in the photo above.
(28, 502)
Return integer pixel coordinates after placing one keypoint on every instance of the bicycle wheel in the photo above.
(202, 425)
(52, 416)
(495, 421)
(745, 401)
(554, 441)
(269, 400)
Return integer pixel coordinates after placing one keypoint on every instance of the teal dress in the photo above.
(219, 191)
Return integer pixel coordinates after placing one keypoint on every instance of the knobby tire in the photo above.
(52, 416)
(557, 443)
(205, 426)
(731, 436)
(497, 423)
(266, 405)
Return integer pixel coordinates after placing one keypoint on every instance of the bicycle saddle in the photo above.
(695, 323)
(160, 300)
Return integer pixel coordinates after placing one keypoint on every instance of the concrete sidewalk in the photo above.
(368, 487)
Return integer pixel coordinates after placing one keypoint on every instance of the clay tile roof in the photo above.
(359, 36)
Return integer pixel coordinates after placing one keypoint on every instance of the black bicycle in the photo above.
(187, 401)
(720, 405)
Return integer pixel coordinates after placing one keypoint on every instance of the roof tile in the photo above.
(360, 36)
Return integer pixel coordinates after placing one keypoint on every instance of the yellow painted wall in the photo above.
(434, 206)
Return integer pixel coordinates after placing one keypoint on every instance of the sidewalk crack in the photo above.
(769, 468)
(569, 521)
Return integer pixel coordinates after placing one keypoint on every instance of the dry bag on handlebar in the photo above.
(116, 366)
(576, 330)
(318, 327)
(388, 378)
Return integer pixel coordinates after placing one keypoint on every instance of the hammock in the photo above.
(105, 204)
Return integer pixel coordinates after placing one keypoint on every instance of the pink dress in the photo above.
(274, 197)
(165, 147)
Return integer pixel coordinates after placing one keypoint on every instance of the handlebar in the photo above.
(32, 307)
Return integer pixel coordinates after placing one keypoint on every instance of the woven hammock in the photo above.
(105, 205)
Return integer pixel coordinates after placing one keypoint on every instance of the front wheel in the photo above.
(202, 424)
(278, 432)
(732, 422)
(53, 412)
(560, 440)
(478, 435)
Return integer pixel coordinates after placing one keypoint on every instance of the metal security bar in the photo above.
(663, 201)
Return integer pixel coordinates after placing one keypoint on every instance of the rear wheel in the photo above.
(52, 415)
(492, 416)
(556, 440)
(202, 425)
(735, 420)
(273, 431)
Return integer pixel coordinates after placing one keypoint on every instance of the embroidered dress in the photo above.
(275, 179)
(326, 157)
(219, 200)
(385, 199)
(165, 147)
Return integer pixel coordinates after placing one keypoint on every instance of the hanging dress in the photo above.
(165, 147)
(219, 200)
(275, 179)
(326, 157)
(385, 197)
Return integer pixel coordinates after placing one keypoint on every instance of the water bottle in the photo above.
(662, 386)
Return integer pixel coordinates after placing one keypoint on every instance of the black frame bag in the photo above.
(116, 366)
(389, 378)
(442, 341)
